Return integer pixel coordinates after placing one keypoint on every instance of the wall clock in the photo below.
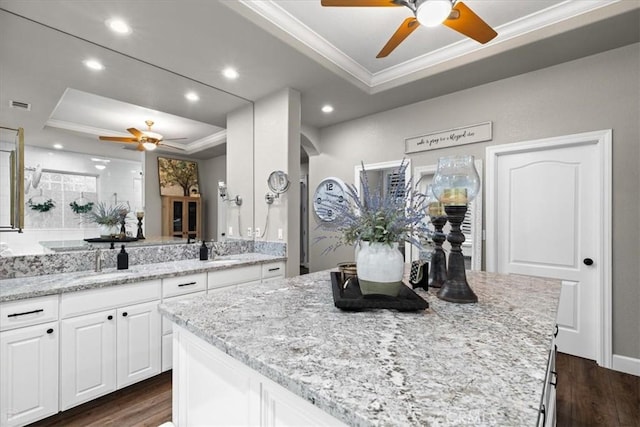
(329, 193)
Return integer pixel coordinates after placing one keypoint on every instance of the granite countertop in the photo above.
(452, 364)
(35, 286)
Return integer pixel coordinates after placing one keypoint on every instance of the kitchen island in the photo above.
(452, 364)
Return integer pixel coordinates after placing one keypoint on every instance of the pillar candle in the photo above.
(454, 196)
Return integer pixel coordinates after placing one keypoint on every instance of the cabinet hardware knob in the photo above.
(543, 411)
(555, 384)
(587, 261)
(26, 312)
(555, 333)
(125, 314)
(49, 331)
(109, 317)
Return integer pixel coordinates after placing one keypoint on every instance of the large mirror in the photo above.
(63, 107)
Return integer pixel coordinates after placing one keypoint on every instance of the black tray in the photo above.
(352, 299)
(111, 239)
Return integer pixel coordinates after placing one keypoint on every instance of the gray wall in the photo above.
(213, 170)
(593, 93)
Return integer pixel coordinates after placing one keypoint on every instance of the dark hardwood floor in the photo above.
(147, 404)
(587, 396)
(592, 396)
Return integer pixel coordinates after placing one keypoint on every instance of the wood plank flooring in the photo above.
(587, 396)
(592, 396)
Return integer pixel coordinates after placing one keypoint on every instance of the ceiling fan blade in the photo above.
(359, 3)
(136, 132)
(465, 21)
(117, 139)
(403, 31)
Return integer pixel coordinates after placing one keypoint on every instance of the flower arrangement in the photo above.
(106, 215)
(397, 215)
(45, 206)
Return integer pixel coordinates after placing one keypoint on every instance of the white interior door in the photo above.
(546, 215)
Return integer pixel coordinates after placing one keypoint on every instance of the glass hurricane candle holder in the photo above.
(455, 184)
(140, 216)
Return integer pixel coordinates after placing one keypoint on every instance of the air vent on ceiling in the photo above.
(21, 105)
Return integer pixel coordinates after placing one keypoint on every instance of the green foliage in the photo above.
(81, 209)
(106, 215)
(41, 207)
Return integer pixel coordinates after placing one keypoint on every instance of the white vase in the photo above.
(380, 268)
(107, 230)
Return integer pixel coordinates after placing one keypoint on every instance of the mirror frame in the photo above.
(16, 178)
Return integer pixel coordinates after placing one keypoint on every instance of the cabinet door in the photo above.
(192, 218)
(177, 222)
(88, 364)
(28, 374)
(138, 355)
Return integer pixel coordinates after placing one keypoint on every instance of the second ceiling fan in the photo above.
(147, 140)
(430, 13)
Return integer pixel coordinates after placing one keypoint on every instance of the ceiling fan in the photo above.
(146, 139)
(430, 13)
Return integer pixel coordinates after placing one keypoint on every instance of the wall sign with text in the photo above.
(449, 138)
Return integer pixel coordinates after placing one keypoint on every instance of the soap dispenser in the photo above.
(123, 259)
(204, 252)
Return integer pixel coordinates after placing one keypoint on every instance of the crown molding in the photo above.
(77, 127)
(557, 18)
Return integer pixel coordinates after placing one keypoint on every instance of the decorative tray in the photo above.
(111, 239)
(352, 299)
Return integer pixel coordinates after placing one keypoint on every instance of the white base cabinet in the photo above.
(213, 389)
(88, 363)
(28, 374)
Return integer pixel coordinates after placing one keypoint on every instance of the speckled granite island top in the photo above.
(35, 286)
(452, 364)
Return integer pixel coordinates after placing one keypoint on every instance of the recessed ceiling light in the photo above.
(100, 167)
(192, 96)
(230, 73)
(118, 26)
(58, 146)
(93, 64)
(327, 109)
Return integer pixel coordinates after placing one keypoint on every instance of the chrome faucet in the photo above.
(98, 260)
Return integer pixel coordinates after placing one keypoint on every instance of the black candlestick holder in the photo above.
(140, 236)
(438, 273)
(123, 228)
(455, 288)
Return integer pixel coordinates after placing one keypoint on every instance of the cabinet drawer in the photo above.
(222, 278)
(32, 311)
(173, 286)
(92, 300)
(274, 269)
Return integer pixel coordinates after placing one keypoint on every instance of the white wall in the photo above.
(213, 170)
(277, 147)
(597, 92)
(240, 170)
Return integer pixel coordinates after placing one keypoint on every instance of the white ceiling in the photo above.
(328, 54)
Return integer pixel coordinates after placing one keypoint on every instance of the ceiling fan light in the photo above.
(149, 146)
(431, 13)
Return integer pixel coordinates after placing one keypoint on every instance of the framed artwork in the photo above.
(178, 177)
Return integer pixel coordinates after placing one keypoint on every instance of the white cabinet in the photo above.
(28, 374)
(138, 343)
(88, 357)
(547, 414)
(273, 271)
(167, 335)
(102, 351)
(234, 276)
(213, 389)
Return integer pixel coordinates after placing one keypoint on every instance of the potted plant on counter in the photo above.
(376, 222)
(107, 217)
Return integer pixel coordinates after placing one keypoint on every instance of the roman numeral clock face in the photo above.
(330, 192)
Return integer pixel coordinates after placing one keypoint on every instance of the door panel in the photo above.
(547, 213)
(88, 361)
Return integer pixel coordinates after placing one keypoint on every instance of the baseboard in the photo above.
(626, 364)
